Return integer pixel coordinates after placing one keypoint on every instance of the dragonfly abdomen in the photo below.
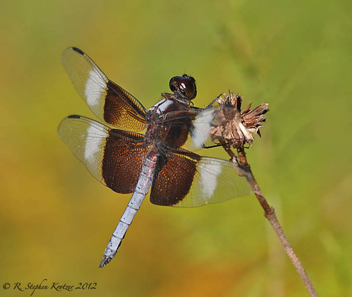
(144, 183)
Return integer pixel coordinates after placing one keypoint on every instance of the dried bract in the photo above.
(235, 126)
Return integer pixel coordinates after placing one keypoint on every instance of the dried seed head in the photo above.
(233, 126)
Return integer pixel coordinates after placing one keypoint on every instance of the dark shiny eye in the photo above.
(186, 85)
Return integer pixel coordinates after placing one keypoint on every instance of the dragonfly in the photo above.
(140, 150)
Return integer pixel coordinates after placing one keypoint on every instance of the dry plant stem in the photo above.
(270, 215)
(233, 130)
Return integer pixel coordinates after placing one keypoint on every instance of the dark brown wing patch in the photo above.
(174, 177)
(121, 109)
(123, 160)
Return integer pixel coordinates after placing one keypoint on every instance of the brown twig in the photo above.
(269, 213)
(233, 131)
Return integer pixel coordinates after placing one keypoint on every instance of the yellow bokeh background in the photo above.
(55, 219)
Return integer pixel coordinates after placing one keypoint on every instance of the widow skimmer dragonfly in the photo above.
(130, 162)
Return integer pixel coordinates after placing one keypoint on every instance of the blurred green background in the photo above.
(55, 219)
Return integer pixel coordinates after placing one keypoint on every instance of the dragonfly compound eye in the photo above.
(185, 85)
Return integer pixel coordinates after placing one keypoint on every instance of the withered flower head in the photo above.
(233, 126)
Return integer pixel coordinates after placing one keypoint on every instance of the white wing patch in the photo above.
(208, 175)
(93, 142)
(201, 129)
(95, 88)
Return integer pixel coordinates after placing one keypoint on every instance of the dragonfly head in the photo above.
(184, 85)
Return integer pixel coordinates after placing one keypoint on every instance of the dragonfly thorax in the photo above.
(168, 123)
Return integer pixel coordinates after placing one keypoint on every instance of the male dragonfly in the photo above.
(130, 162)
